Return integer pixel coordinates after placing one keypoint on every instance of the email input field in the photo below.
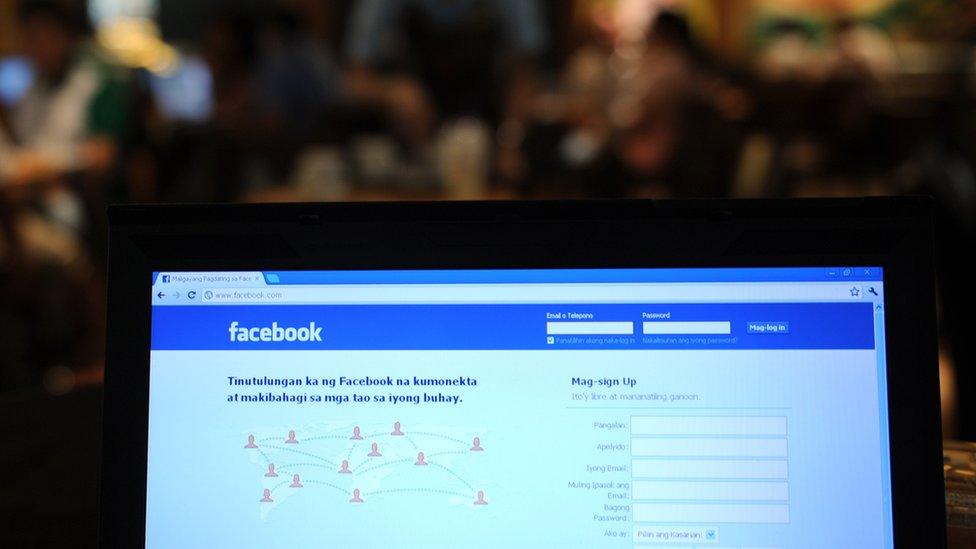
(731, 469)
(710, 491)
(589, 328)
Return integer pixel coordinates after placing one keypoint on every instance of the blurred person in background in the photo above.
(50, 304)
(274, 89)
(268, 73)
(675, 117)
(297, 77)
(231, 151)
(57, 146)
(70, 123)
(229, 47)
(824, 83)
(640, 112)
(425, 61)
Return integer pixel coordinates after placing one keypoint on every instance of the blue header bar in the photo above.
(515, 327)
(526, 276)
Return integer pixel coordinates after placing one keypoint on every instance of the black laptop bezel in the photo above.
(895, 234)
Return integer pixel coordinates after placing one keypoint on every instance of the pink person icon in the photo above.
(295, 482)
(345, 467)
(476, 445)
(420, 459)
(481, 498)
(291, 437)
(267, 496)
(374, 451)
(355, 434)
(271, 471)
(355, 497)
(396, 430)
(250, 442)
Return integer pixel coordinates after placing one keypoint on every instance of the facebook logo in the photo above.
(274, 333)
(165, 278)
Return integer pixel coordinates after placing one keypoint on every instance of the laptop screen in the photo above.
(741, 407)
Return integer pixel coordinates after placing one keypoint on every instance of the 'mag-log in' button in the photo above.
(768, 327)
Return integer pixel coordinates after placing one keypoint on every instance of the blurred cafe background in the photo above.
(115, 101)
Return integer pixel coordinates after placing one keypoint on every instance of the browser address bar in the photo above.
(533, 293)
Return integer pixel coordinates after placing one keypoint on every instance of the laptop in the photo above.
(758, 374)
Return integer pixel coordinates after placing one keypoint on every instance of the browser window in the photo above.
(571, 408)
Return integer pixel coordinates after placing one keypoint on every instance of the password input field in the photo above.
(678, 513)
(589, 328)
(723, 327)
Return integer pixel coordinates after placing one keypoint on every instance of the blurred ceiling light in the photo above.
(125, 28)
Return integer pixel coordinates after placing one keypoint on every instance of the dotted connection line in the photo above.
(326, 437)
(385, 463)
(368, 460)
(437, 435)
(329, 484)
(308, 465)
(455, 453)
(457, 476)
(304, 454)
(381, 465)
(425, 490)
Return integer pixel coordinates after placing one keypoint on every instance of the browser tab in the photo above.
(244, 278)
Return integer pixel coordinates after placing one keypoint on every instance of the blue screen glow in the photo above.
(658, 408)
